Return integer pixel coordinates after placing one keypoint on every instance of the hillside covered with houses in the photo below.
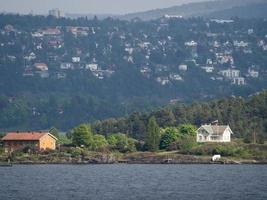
(64, 71)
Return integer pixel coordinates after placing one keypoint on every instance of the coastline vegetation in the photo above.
(170, 132)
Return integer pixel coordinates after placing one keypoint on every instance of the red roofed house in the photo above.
(38, 140)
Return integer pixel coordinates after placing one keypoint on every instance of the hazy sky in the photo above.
(86, 6)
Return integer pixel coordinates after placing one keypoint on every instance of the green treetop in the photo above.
(82, 135)
(152, 135)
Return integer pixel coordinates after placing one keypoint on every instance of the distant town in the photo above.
(221, 48)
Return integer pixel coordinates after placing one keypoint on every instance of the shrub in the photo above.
(169, 136)
(186, 142)
(99, 143)
(75, 151)
(122, 143)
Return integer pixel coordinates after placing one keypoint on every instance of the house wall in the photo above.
(226, 137)
(47, 142)
(16, 145)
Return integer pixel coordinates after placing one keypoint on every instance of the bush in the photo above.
(169, 136)
(186, 142)
(2, 151)
(75, 151)
(122, 143)
(222, 149)
(99, 143)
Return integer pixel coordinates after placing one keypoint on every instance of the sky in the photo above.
(86, 6)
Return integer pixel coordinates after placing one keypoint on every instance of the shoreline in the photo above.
(250, 162)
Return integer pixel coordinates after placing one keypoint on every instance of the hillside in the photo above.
(62, 72)
(247, 11)
(208, 8)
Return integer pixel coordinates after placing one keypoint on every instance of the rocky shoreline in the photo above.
(155, 160)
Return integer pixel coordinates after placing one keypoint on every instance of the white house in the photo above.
(76, 59)
(230, 73)
(182, 67)
(91, 67)
(214, 133)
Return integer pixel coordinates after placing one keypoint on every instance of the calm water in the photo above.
(144, 182)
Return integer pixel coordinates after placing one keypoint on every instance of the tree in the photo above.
(152, 135)
(187, 129)
(82, 135)
(170, 135)
(122, 142)
(99, 142)
(54, 132)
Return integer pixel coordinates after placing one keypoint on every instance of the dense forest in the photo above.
(63, 72)
(244, 116)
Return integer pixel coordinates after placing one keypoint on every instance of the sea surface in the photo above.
(126, 182)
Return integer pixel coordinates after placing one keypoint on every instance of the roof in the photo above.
(215, 129)
(29, 136)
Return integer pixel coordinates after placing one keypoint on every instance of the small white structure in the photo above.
(214, 133)
(191, 44)
(238, 81)
(91, 67)
(208, 69)
(66, 66)
(215, 157)
(76, 59)
(41, 66)
(182, 67)
(253, 73)
(230, 73)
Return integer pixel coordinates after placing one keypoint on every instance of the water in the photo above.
(126, 182)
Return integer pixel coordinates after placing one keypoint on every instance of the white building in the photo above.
(191, 44)
(182, 67)
(214, 133)
(66, 66)
(175, 77)
(230, 73)
(238, 81)
(56, 13)
(208, 69)
(253, 73)
(91, 67)
(76, 59)
(163, 80)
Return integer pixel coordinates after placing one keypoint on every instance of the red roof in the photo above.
(24, 136)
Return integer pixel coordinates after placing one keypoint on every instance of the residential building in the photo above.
(238, 81)
(76, 59)
(253, 73)
(92, 67)
(41, 66)
(182, 67)
(214, 133)
(37, 140)
(230, 73)
(66, 66)
(56, 13)
(208, 69)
